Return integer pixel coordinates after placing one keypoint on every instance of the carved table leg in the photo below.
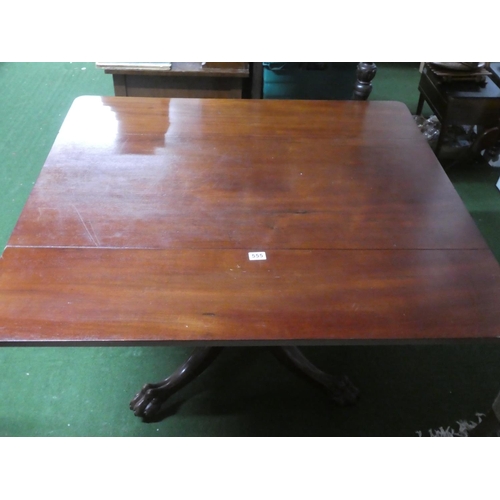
(420, 105)
(149, 400)
(364, 76)
(339, 388)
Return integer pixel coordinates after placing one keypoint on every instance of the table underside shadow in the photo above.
(149, 401)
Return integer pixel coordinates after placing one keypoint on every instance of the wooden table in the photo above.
(233, 80)
(139, 229)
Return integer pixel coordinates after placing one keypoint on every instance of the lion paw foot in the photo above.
(342, 391)
(148, 402)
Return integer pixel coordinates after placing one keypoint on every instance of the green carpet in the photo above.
(477, 187)
(83, 391)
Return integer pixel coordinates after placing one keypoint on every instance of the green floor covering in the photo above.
(85, 391)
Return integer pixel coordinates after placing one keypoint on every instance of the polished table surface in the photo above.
(140, 225)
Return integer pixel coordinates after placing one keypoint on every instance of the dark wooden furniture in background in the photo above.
(494, 68)
(181, 79)
(210, 79)
(365, 74)
(459, 102)
(139, 228)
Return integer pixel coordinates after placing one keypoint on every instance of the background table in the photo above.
(139, 228)
(185, 79)
(459, 102)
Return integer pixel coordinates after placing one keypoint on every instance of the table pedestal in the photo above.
(148, 402)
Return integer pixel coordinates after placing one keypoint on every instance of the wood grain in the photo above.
(140, 296)
(206, 174)
(139, 227)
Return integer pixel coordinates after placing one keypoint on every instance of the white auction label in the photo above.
(257, 255)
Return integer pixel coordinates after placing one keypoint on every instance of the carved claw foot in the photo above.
(339, 388)
(148, 402)
(342, 391)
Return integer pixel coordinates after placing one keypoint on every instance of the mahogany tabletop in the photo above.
(140, 225)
